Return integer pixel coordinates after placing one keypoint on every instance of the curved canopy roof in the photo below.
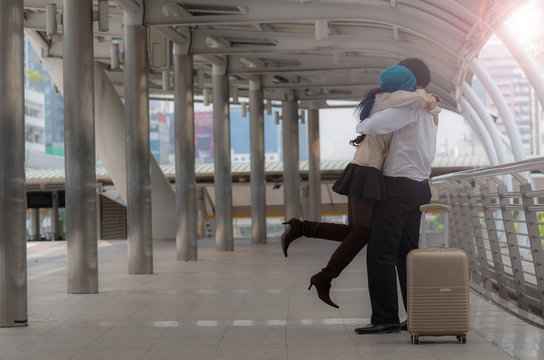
(315, 50)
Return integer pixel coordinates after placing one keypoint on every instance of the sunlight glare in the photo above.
(525, 23)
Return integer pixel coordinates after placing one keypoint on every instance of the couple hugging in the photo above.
(385, 183)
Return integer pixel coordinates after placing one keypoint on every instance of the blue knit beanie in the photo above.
(397, 77)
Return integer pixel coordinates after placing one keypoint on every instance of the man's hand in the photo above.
(432, 103)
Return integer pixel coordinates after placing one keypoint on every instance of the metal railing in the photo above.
(497, 217)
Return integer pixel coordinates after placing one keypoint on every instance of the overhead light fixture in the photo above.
(268, 107)
(114, 56)
(50, 20)
(355, 75)
(338, 57)
(278, 118)
(321, 29)
(302, 117)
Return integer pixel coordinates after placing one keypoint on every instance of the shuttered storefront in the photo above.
(114, 219)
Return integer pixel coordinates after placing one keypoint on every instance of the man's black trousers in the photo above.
(394, 233)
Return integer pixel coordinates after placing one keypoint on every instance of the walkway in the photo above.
(248, 304)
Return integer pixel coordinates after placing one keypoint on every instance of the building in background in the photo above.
(38, 80)
(240, 130)
(159, 130)
(204, 137)
(50, 132)
(34, 121)
(511, 79)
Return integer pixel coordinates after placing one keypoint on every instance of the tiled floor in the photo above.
(248, 304)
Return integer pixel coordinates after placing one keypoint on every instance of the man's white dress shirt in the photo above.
(413, 145)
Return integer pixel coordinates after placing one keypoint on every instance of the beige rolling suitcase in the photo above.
(438, 292)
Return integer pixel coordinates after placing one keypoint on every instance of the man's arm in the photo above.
(386, 121)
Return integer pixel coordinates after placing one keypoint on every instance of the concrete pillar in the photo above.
(36, 224)
(55, 228)
(222, 177)
(291, 171)
(186, 245)
(13, 284)
(139, 236)
(80, 161)
(257, 175)
(314, 171)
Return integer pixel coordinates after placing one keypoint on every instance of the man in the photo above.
(395, 226)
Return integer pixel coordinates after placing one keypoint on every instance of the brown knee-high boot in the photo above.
(344, 254)
(321, 230)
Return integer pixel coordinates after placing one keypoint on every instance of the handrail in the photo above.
(499, 227)
(497, 170)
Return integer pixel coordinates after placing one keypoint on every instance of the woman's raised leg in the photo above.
(360, 213)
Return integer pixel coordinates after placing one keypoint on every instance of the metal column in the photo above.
(13, 283)
(139, 236)
(222, 175)
(493, 237)
(512, 243)
(36, 224)
(186, 245)
(483, 113)
(525, 61)
(314, 158)
(80, 161)
(534, 236)
(257, 176)
(506, 114)
(291, 171)
(480, 130)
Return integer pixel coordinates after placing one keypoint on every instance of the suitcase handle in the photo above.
(444, 208)
(437, 246)
(434, 206)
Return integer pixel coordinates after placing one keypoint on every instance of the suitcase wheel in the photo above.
(462, 338)
(414, 339)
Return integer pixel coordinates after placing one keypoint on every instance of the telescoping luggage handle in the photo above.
(441, 247)
(433, 206)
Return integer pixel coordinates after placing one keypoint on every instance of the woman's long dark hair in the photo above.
(363, 112)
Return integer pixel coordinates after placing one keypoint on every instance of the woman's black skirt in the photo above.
(363, 182)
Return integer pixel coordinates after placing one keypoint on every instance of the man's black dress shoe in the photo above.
(404, 325)
(378, 329)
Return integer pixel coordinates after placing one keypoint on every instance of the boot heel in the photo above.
(294, 231)
(310, 287)
(322, 285)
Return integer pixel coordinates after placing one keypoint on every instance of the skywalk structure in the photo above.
(297, 52)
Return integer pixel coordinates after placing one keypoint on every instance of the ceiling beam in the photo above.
(415, 21)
